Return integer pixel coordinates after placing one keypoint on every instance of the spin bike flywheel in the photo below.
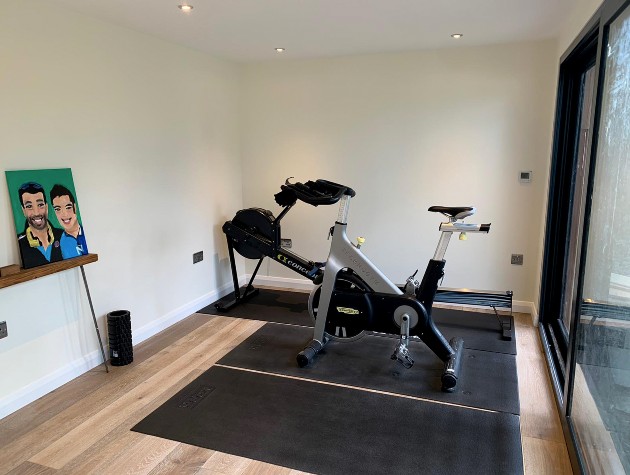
(345, 330)
(255, 221)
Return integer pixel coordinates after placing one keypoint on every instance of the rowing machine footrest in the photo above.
(453, 366)
(230, 301)
(305, 357)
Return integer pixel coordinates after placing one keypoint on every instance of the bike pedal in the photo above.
(403, 358)
(406, 362)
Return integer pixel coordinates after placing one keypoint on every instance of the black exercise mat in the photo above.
(270, 306)
(327, 429)
(480, 331)
(488, 380)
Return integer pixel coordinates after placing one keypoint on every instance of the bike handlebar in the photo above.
(320, 192)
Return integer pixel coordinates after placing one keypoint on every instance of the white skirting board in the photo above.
(61, 376)
(305, 284)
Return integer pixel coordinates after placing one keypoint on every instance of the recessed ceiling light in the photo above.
(279, 50)
(457, 35)
(185, 8)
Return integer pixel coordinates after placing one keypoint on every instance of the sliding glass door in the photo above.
(600, 408)
(567, 203)
(585, 294)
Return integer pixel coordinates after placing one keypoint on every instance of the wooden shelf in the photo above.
(36, 272)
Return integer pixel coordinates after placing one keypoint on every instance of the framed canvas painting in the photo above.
(46, 214)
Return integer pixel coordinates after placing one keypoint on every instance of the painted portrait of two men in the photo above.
(46, 215)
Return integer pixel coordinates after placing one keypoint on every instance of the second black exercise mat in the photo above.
(488, 380)
(480, 331)
(270, 306)
(327, 429)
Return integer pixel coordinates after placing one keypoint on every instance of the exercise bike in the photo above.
(352, 296)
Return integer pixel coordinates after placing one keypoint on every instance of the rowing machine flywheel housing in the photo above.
(257, 221)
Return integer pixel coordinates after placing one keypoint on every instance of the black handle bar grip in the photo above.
(320, 192)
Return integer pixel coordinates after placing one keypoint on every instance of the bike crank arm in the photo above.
(401, 352)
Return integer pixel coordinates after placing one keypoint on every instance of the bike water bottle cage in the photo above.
(320, 192)
(454, 212)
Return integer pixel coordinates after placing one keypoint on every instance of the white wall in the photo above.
(407, 131)
(150, 131)
(575, 20)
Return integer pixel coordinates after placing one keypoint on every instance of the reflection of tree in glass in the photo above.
(609, 231)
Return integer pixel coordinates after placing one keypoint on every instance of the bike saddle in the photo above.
(457, 212)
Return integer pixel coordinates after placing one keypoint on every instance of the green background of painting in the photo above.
(46, 178)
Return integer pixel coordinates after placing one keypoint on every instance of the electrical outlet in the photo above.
(286, 243)
(525, 176)
(517, 259)
(197, 257)
(3, 330)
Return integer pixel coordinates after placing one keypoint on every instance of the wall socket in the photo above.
(197, 257)
(3, 330)
(517, 259)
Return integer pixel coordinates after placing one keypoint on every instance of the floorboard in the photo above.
(83, 427)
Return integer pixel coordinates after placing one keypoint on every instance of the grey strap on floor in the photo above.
(488, 380)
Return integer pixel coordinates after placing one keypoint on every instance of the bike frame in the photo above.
(344, 254)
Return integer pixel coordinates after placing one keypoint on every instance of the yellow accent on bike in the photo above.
(348, 311)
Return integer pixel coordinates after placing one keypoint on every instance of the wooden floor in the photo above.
(84, 426)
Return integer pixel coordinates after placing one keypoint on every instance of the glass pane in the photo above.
(579, 192)
(601, 399)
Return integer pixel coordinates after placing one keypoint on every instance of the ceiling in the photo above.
(250, 30)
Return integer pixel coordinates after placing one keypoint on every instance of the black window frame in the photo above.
(559, 346)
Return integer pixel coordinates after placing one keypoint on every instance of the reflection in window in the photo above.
(601, 398)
